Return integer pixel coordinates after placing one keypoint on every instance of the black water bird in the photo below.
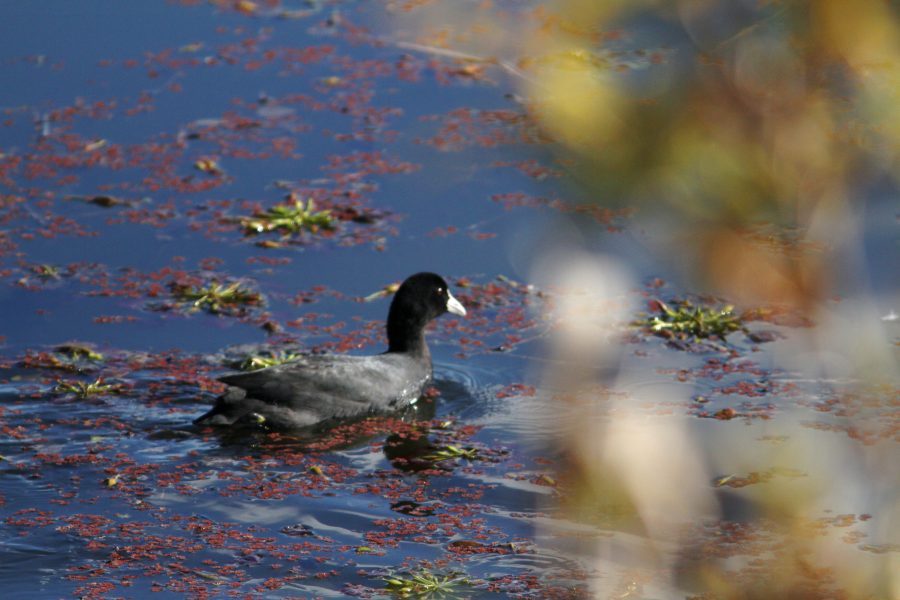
(317, 388)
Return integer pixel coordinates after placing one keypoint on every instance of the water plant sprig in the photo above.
(287, 219)
(261, 361)
(424, 584)
(47, 271)
(698, 321)
(450, 452)
(83, 389)
(216, 298)
(77, 351)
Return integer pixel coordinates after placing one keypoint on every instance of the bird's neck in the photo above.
(408, 337)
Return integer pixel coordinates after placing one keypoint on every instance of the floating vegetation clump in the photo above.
(268, 359)
(77, 351)
(450, 452)
(287, 219)
(82, 389)
(217, 298)
(425, 584)
(684, 320)
(48, 271)
(68, 357)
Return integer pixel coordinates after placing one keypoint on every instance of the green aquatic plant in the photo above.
(216, 297)
(270, 359)
(424, 584)
(48, 271)
(68, 357)
(683, 318)
(450, 452)
(77, 351)
(289, 218)
(82, 389)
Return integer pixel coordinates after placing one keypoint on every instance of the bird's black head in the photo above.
(421, 298)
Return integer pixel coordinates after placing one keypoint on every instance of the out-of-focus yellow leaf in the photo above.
(246, 7)
(95, 145)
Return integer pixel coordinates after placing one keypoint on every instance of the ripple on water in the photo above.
(46, 549)
(468, 391)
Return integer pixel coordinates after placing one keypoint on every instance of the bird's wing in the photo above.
(333, 385)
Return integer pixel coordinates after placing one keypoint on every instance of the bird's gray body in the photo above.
(317, 388)
(320, 388)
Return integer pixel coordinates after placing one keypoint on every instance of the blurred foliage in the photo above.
(764, 114)
(755, 113)
(714, 116)
(749, 131)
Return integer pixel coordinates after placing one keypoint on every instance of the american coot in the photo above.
(317, 388)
